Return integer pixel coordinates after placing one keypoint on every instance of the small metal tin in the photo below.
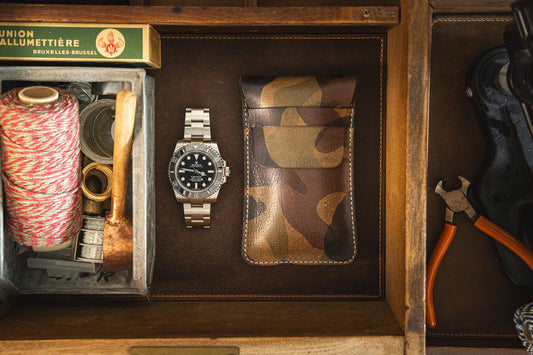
(15, 276)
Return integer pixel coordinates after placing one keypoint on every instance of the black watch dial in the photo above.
(195, 171)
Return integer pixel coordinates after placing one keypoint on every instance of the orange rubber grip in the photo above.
(443, 243)
(506, 239)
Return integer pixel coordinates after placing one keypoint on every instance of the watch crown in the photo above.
(227, 171)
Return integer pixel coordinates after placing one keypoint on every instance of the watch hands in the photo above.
(201, 173)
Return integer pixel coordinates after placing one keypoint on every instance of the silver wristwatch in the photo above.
(196, 170)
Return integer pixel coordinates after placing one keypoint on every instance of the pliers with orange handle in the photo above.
(457, 202)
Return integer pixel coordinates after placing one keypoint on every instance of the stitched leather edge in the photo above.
(246, 212)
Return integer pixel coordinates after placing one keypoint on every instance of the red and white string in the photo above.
(41, 169)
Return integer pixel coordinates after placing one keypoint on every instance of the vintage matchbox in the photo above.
(135, 45)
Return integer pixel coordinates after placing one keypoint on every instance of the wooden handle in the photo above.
(506, 239)
(124, 122)
(443, 243)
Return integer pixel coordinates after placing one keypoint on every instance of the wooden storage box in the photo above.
(392, 319)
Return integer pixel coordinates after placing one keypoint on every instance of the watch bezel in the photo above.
(213, 154)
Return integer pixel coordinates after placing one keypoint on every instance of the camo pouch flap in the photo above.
(299, 174)
(299, 147)
(298, 91)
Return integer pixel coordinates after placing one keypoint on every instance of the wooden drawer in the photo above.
(474, 299)
(390, 322)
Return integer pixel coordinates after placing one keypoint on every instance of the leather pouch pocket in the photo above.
(299, 177)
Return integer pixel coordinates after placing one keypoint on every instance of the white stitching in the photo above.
(221, 37)
(380, 198)
(472, 334)
(444, 19)
(160, 297)
(447, 19)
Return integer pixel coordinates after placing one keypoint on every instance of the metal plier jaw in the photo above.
(457, 202)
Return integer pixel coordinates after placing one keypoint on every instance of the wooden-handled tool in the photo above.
(118, 228)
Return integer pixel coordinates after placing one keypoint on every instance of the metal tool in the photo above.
(118, 228)
(110, 241)
(457, 202)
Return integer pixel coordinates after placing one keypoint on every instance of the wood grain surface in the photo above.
(74, 319)
(253, 346)
(204, 16)
(406, 166)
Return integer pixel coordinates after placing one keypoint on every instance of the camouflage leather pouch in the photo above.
(298, 201)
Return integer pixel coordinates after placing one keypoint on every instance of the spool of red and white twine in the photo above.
(41, 165)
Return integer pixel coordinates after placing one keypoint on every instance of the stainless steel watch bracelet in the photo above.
(197, 215)
(197, 125)
(197, 128)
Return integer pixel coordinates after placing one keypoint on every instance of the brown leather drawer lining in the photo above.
(204, 71)
(473, 297)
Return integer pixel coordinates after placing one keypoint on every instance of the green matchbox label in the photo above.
(87, 43)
